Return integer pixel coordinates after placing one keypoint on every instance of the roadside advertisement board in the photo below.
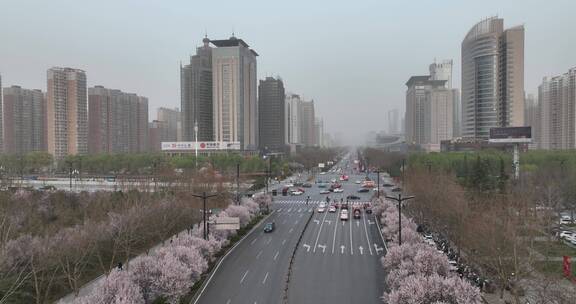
(227, 223)
(202, 145)
(511, 135)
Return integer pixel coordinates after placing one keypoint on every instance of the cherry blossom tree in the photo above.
(117, 288)
(240, 212)
(421, 289)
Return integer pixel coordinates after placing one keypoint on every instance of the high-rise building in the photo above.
(429, 112)
(172, 119)
(442, 71)
(24, 119)
(1, 123)
(158, 132)
(319, 132)
(196, 95)
(492, 78)
(532, 118)
(271, 111)
(293, 118)
(556, 108)
(67, 112)
(393, 121)
(307, 133)
(235, 104)
(117, 122)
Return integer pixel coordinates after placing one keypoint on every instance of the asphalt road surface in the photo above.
(336, 262)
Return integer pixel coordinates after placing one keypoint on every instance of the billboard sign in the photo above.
(511, 135)
(202, 145)
(321, 165)
(227, 223)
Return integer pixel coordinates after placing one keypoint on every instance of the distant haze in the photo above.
(352, 58)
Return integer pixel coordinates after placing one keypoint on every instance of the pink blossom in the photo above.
(117, 288)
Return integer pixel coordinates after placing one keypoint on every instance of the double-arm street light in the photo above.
(400, 200)
(204, 196)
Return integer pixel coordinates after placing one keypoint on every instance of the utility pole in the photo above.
(400, 199)
(196, 145)
(378, 183)
(204, 196)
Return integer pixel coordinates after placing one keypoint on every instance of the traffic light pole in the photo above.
(204, 196)
(400, 200)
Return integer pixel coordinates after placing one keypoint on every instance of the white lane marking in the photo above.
(265, 277)
(269, 240)
(284, 242)
(290, 210)
(343, 223)
(351, 244)
(254, 241)
(296, 222)
(291, 229)
(319, 231)
(362, 250)
(258, 255)
(307, 247)
(244, 276)
(276, 255)
(357, 224)
(334, 238)
(299, 209)
(228, 302)
(279, 210)
(367, 238)
(342, 249)
(300, 215)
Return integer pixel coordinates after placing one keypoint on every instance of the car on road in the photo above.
(397, 189)
(269, 227)
(338, 190)
(358, 182)
(387, 185)
(353, 197)
(566, 235)
(307, 185)
(322, 173)
(321, 208)
(296, 192)
(332, 209)
(363, 190)
(344, 214)
(289, 185)
(565, 220)
(322, 185)
(333, 180)
(357, 213)
(324, 192)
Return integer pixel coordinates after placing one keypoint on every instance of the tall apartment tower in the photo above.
(67, 112)
(492, 78)
(293, 118)
(271, 111)
(318, 132)
(556, 108)
(196, 95)
(117, 122)
(234, 85)
(307, 133)
(24, 119)
(393, 117)
(443, 71)
(172, 119)
(532, 118)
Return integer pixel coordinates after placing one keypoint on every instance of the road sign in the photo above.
(227, 223)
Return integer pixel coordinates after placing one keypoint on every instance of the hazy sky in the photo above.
(352, 57)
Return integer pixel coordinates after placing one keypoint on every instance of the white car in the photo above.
(453, 265)
(289, 185)
(358, 182)
(332, 209)
(344, 215)
(333, 180)
(322, 173)
(566, 234)
(297, 192)
(321, 209)
(338, 190)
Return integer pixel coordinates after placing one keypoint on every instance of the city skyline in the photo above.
(153, 51)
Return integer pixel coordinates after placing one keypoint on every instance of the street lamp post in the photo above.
(400, 199)
(204, 196)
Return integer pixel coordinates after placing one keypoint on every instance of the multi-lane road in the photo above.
(336, 261)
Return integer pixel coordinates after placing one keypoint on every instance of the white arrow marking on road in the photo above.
(358, 224)
(254, 241)
(291, 229)
(283, 242)
(228, 302)
(343, 223)
(307, 247)
(296, 222)
(323, 248)
(269, 240)
(361, 250)
(377, 248)
(258, 255)
(328, 222)
(371, 222)
(265, 277)
(342, 249)
(299, 209)
(244, 276)
(317, 222)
